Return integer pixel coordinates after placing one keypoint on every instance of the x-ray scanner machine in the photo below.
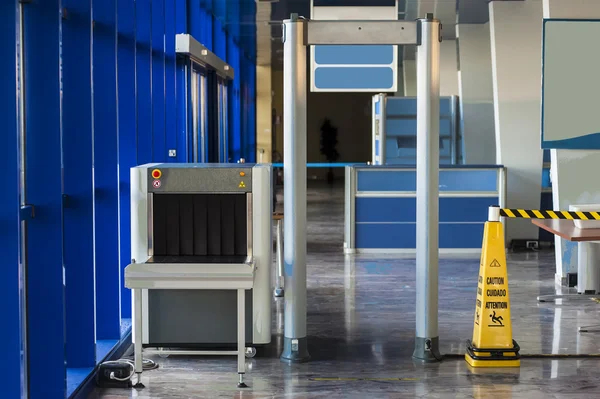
(201, 246)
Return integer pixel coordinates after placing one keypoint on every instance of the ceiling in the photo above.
(271, 12)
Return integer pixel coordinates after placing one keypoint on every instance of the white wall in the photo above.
(409, 69)
(448, 68)
(476, 94)
(263, 113)
(349, 112)
(570, 185)
(448, 71)
(516, 34)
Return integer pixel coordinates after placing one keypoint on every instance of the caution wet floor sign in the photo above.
(492, 344)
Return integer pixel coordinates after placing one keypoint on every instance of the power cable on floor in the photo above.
(128, 361)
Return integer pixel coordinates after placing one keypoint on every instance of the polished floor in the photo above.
(361, 322)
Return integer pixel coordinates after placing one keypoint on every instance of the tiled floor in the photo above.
(361, 322)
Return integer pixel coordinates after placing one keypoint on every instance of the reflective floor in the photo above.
(361, 322)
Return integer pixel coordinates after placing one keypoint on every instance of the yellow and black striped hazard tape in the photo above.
(538, 214)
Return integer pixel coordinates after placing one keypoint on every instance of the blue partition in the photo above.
(381, 207)
(546, 198)
(400, 131)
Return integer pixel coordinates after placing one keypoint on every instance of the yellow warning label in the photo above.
(492, 344)
(242, 185)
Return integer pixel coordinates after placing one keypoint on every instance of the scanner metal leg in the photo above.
(279, 290)
(241, 341)
(590, 329)
(137, 347)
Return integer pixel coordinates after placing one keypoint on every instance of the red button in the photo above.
(156, 174)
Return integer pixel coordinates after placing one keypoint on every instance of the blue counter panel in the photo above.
(403, 149)
(408, 127)
(403, 236)
(394, 210)
(406, 180)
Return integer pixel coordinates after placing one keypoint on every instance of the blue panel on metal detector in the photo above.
(354, 55)
(354, 78)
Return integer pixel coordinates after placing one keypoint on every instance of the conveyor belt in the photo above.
(198, 259)
(199, 225)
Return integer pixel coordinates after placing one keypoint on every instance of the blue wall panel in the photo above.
(144, 81)
(127, 140)
(106, 187)
(181, 15)
(45, 290)
(91, 128)
(170, 83)
(10, 333)
(159, 151)
(219, 39)
(195, 22)
(403, 236)
(77, 144)
(233, 58)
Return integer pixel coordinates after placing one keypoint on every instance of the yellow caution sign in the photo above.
(242, 185)
(492, 344)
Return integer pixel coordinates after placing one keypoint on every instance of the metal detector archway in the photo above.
(298, 34)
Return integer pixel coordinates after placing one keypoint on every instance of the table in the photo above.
(191, 276)
(588, 270)
(588, 264)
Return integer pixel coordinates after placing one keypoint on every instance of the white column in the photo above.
(428, 155)
(295, 348)
(569, 186)
(476, 94)
(516, 35)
